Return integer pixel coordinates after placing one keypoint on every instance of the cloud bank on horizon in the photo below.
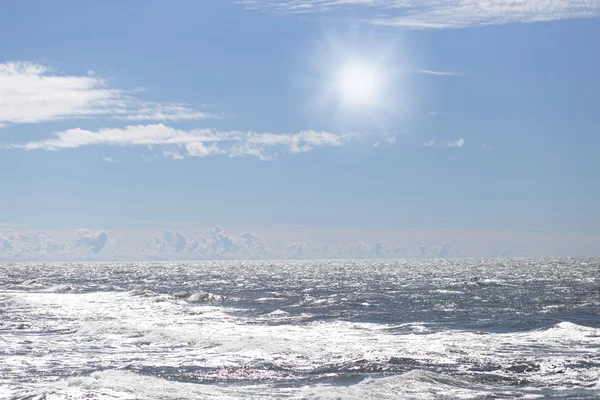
(39, 245)
(218, 244)
(435, 14)
(86, 244)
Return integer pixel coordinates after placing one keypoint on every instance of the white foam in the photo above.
(446, 291)
(278, 313)
(415, 384)
(62, 289)
(198, 297)
(124, 385)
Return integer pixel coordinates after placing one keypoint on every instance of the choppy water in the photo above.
(435, 329)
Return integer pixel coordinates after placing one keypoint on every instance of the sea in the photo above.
(326, 329)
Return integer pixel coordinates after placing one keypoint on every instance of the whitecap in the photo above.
(198, 297)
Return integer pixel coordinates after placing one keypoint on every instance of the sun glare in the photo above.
(358, 84)
(357, 81)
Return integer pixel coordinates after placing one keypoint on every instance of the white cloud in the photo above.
(89, 240)
(429, 143)
(221, 245)
(373, 250)
(456, 143)
(33, 93)
(169, 241)
(32, 245)
(200, 142)
(164, 112)
(505, 252)
(306, 249)
(218, 245)
(175, 155)
(438, 73)
(16, 243)
(437, 251)
(85, 244)
(422, 248)
(109, 160)
(441, 251)
(435, 14)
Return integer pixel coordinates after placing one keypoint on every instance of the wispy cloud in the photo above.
(174, 154)
(199, 143)
(436, 14)
(438, 73)
(164, 112)
(456, 143)
(33, 93)
(109, 160)
(429, 143)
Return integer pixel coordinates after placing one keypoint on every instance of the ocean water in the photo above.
(405, 329)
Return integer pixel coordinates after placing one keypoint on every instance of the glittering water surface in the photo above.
(435, 329)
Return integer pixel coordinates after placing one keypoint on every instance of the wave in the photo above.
(448, 291)
(569, 331)
(143, 293)
(416, 384)
(478, 281)
(62, 289)
(120, 384)
(199, 297)
(278, 313)
(334, 300)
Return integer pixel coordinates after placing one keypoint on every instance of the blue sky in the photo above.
(469, 128)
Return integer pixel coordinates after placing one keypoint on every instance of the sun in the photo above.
(358, 84)
(356, 80)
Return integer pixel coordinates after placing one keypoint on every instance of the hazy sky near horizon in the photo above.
(301, 127)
